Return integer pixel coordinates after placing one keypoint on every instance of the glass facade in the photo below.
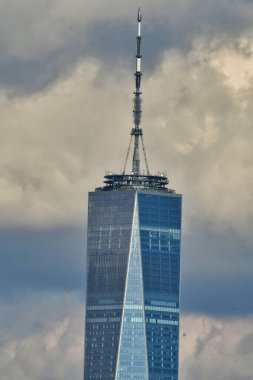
(160, 230)
(110, 216)
(132, 301)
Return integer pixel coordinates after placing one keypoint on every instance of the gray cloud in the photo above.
(216, 342)
(199, 105)
(39, 333)
(203, 342)
(217, 275)
(41, 42)
(42, 260)
(245, 345)
(214, 272)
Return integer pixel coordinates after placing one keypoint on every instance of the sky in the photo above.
(66, 89)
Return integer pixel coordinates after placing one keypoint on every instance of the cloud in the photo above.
(215, 348)
(42, 339)
(51, 259)
(51, 143)
(64, 33)
(201, 108)
(70, 23)
(246, 345)
(56, 144)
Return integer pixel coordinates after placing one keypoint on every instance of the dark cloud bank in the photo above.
(40, 43)
(217, 275)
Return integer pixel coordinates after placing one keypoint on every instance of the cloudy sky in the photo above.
(66, 84)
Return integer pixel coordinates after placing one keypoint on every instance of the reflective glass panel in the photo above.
(110, 217)
(132, 360)
(160, 230)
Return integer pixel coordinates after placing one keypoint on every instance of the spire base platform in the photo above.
(117, 182)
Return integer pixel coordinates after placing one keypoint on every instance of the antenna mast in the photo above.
(137, 131)
(136, 180)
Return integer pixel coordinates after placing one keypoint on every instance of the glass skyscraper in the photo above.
(133, 261)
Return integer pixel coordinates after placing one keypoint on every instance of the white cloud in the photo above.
(44, 339)
(55, 145)
(206, 122)
(30, 30)
(216, 348)
(51, 144)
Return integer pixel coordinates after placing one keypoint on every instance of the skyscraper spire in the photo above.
(137, 131)
(135, 179)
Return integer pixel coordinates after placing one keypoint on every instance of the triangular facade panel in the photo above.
(132, 354)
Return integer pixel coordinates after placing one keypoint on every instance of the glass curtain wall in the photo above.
(110, 217)
(160, 231)
(132, 302)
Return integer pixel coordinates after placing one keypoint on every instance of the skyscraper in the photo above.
(133, 261)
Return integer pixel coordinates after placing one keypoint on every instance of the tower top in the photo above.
(139, 17)
(136, 180)
(137, 131)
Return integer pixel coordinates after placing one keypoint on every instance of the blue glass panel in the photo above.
(160, 229)
(110, 218)
(149, 326)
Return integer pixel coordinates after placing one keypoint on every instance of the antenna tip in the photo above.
(139, 17)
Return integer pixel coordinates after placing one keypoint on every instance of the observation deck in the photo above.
(117, 182)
